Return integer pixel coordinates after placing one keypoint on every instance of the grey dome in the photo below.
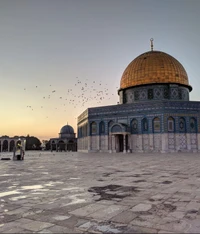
(67, 129)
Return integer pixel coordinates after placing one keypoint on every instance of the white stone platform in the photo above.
(97, 192)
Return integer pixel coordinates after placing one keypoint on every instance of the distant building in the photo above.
(66, 140)
(154, 112)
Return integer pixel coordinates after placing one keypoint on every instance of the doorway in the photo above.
(120, 143)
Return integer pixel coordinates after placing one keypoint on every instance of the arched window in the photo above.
(145, 125)
(85, 126)
(193, 125)
(93, 128)
(134, 126)
(156, 124)
(170, 124)
(101, 128)
(81, 132)
(182, 127)
(110, 123)
(116, 128)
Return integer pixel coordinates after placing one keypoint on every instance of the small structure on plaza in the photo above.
(66, 140)
(154, 113)
(19, 150)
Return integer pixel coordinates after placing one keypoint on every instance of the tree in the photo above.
(32, 143)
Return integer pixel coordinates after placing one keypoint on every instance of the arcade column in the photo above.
(124, 141)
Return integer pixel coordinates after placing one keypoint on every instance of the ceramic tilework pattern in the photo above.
(171, 141)
(154, 92)
(194, 141)
(127, 112)
(153, 67)
(157, 142)
(183, 142)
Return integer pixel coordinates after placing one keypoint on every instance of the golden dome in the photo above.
(154, 67)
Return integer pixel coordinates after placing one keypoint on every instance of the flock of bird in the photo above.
(81, 95)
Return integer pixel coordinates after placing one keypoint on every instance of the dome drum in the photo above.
(154, 92)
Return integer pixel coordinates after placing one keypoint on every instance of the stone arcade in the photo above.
(7, 144)
(154, 113)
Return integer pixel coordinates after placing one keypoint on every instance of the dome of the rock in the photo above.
(154, 67)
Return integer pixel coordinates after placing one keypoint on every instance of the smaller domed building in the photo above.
(66, 140)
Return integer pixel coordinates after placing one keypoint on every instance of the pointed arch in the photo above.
(182, 124)
(12, 145)
(156, 124)
(145, 126)
(170, 124)
(110, 123)
(134, 126)
(193, 125)
(93, 128)
(5, 146)
(101, 128)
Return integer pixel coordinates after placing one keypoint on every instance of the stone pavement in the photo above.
(95, 193)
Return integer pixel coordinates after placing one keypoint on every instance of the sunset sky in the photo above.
(80, 48)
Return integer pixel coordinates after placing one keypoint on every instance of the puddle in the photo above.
(40, 190)
(61, 217)
(75, 199)
(9, 193)
(52, 183)
(37, 193)
(32, 187)
(45, 173)
(73, 178)
(10, 175)
(12, 187)
(17, 198)
(49, 185)
(113, 191)
(1, 225)
(6, 210)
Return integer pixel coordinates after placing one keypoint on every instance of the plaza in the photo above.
(73, 192)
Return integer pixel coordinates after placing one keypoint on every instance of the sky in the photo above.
(60, 57)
